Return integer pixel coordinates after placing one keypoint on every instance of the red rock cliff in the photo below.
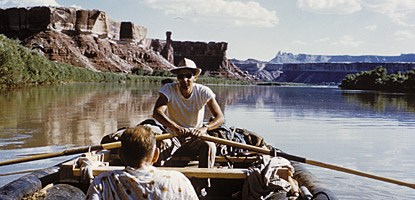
(89, 38)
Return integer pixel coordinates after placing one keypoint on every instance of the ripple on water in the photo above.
(12, 138)
(9, 173)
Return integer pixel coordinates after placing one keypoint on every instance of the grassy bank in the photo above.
(20, 66)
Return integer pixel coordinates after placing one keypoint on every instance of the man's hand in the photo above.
(197, 132)
(182, 131)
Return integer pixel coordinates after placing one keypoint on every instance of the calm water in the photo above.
(367, 131)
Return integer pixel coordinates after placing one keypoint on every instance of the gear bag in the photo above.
(237, 135)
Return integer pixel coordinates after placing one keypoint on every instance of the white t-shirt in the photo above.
(144, 183)
(188, 112)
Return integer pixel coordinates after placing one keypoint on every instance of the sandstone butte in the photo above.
(90, 39)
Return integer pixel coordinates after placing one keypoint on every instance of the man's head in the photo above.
(187, 73)
(138, 146)
(186, 65)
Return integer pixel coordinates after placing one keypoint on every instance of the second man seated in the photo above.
(180, 108)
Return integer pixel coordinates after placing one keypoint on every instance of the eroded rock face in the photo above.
(91, 22)
(132, 32)
(89, 38)
(62, 19)
(210, 57)
(22, 23)
(86, 38)
(96, 53)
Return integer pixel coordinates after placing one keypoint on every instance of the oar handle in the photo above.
(165, 136)
(291, 157)
(112, 145)
(31, 158)
(235, 144)
(265, 151)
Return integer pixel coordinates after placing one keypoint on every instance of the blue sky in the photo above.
(259, 29)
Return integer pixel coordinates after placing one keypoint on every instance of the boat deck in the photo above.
(69, 170)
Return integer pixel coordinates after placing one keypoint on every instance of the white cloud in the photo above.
(401, 12)
(299, 42)
(372, 27)
(404, 35)
(26, 3)
(234, 13)
(347, 41)
(330, 6)
(75, 6)
(322, 40)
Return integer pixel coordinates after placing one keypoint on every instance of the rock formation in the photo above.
(333, 73)
(283, 57)
(86, 38)
(313, 73)
(89, 38)
(210, 57)
(168, 51)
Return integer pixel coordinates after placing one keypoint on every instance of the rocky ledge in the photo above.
(89, 38)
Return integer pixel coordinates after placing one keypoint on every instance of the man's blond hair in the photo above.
(137, 145)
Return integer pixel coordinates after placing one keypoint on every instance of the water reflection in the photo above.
(366, 131)
(246, 94)
(80, 114)
(70, 114)
(381, 102)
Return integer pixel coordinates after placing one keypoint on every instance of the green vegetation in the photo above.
(379, 79)
(219, 80)
(20, 66)
(142, 72)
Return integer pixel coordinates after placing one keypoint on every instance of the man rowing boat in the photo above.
(180, 108)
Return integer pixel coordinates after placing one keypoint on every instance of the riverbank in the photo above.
(21, 67)
(281, 84)
(379, 80)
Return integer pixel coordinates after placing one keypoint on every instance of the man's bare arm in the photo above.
(159, 113)
(219, 118)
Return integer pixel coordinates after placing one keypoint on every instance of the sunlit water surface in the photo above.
(367, 131)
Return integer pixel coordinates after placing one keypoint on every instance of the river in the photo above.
(368, 131)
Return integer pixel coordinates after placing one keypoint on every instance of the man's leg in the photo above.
(207, 153)
(204, 150)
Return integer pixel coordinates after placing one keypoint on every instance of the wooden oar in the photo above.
(107, 146)
(304, 160)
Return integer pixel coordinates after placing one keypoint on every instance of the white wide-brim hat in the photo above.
(186, 64)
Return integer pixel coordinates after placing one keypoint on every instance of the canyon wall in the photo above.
(90, 39)
(284, 57)
(85, 38)
(314, 73)
(209, 56)
(25, 22)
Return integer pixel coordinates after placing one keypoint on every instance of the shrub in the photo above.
(379, 79)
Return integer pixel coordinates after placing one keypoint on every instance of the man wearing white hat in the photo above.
(181, 107)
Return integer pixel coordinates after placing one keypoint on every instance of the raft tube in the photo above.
(312, 183)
